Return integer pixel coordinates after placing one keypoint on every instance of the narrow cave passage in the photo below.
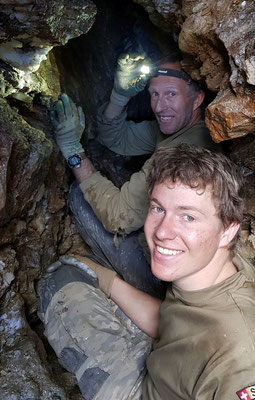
(35, 222)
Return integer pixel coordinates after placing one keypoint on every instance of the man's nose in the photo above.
(161, 104)
(166, 229)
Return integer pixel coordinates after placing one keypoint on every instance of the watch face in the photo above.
(74, 161)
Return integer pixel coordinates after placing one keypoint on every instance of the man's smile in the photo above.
(165, 118)
(169, 252)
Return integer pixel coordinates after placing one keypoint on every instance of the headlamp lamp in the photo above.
(154, 71)
(145, 69)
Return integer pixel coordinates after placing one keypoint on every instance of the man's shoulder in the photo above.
(196, 134)
(197, 129)
(200, 124)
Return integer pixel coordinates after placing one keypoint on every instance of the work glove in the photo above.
(130, 78)
(68, 123)
(94, 273)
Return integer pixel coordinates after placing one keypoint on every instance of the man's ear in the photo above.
(229, 234)
(198, 100)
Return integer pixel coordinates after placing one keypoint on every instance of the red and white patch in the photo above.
(247, 393)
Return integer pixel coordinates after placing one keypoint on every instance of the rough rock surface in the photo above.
(35, 229)
(34, 223)
(23, 357)
(28, 31)
(225, 32)
(30, 28)
(231, 114)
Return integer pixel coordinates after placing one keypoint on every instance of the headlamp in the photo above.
(145, 69)
(175, 73)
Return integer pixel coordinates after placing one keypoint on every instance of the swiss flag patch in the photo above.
(247, 393)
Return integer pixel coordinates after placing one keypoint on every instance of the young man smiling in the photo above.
(187, 240)
(204, 344)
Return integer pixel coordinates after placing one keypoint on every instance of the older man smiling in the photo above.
(100, 209)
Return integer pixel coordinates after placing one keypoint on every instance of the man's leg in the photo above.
(92, 337)
(127, 258)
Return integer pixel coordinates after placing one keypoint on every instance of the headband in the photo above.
(174, 72)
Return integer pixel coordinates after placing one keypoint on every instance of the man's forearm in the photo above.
(140, 307)
(84, 171)
(113, 110)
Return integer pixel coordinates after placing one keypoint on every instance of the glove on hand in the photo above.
(129, 80)
(68, 123)
(96, 275)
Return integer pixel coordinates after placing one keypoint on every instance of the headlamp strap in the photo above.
(175, 73)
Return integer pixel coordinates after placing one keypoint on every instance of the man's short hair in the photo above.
(198, 168)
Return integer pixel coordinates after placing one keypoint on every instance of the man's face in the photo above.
(184, 235)
(171, 102)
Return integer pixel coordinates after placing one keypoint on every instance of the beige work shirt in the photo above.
(124, 210)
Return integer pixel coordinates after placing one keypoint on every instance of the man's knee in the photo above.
(51, 283)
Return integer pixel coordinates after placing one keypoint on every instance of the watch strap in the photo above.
(75, 160)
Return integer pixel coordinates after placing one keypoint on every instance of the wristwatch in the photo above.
(75, 160)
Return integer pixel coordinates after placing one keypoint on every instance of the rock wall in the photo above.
(50, 46)
(34, 223)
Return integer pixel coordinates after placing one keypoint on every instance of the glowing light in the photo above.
(145, 69)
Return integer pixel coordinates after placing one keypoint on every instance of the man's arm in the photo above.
(85, 170)
(113, 110)
(142, 308)
(128, 82)
(69, 121)
(120, 210)
(114, 131)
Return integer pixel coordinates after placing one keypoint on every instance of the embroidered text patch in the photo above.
(247, 393)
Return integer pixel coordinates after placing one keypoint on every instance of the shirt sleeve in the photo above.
(231, 379)
(124, 137)
(120, 210)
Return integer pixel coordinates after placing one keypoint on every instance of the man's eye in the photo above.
(154, 94)
(157, 210)
(188, 218)
(172, 94)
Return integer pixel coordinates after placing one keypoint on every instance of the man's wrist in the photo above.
(69, 146)
(85, 170)
(118, 99)
(76, 159)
